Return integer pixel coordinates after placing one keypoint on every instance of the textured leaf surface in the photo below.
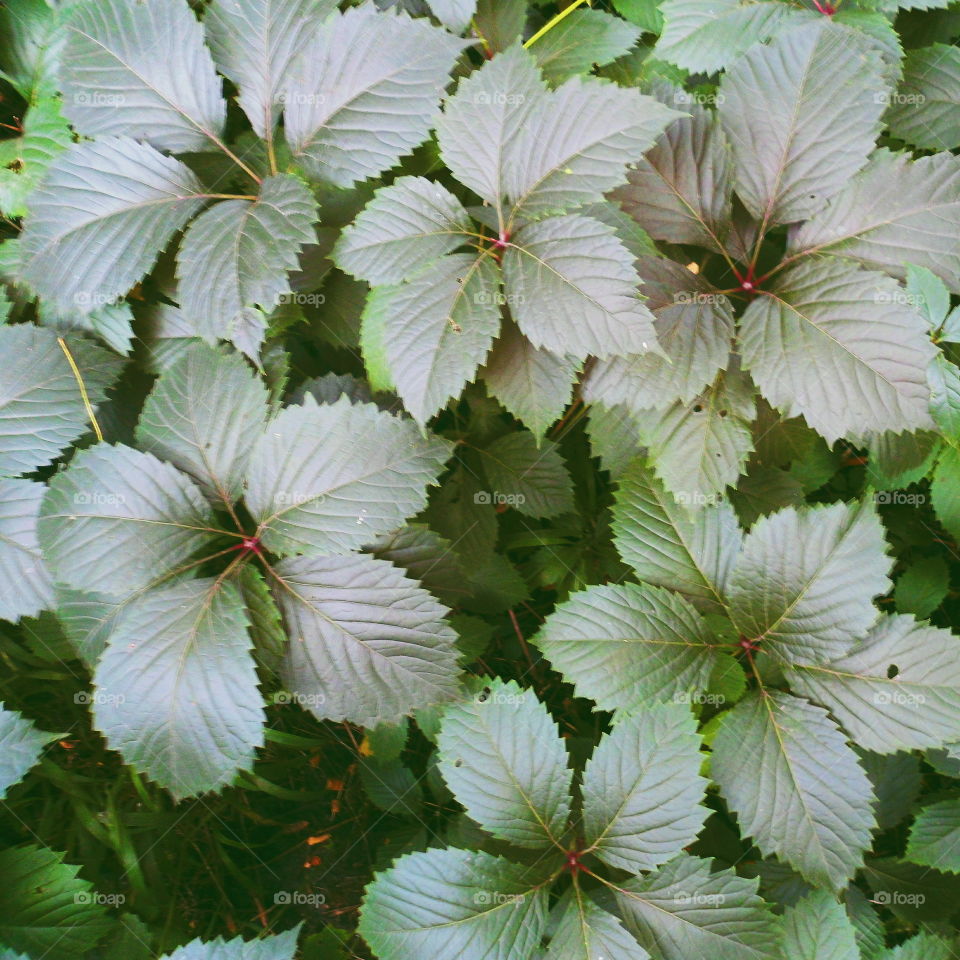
(517, 794)
(367, 644)
(572, 288)
(670, 546)
(625, 645)
(406, 225)
(915, 708)
(895, 211)
(364, 93)
(281, 947)
(533, 478)
(176, 687)
(454, 904)
(455, 14)
(20, 746)
(935, 836)
(437, 329)
(25, 587)
(796, 787)
(330, 478)
(141, 70)
(924, 113)
(642, 788)
(816, 90)
(585, 931)
(41, 408)
(117, 519)
(683, 911)
(237, 254)
(805, 581)
(255, 42)
(837, 345)
(101, 217)
(818, 927)
(203, 416)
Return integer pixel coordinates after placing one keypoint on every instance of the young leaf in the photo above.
(364, 92)
(515, 793)
(935, 836)
(203, 415)
(642, 788)
(683, 911)
(406, 225)
(816, 88)
(176, 687)
(281, 947)
(453, 905)
(25, 587)
(924, 113)
(924, 946)
(21, 744)
(116, 520)
(585, 931)
(818, 927)
(894, 204)
(670, 546)
(437, 329)
(805, 581)
(572, 288)
(100, 218)
(623, 646)
(255, 42)
(899, 689)
(922, 587)
(535, 477)
(330, 478)
(454, 14)
(140, 70)
(785, 769)
(367, 644)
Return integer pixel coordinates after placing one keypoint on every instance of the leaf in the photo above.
(485, 117)
(330, 478)
(101, 217)
(367, 644)
(500, 22)
(41, 407)
(575, 145)
(516, 794)
(680, 190)
(25, 588)
(669, 546)
(694, 327)
(818, 927)
(571, 285)
(35, 38)
(935, 836)
(584, 931)
(581, 40)
(203, 415)
(116, 520)
(642, 788)
(255, 43)
(534, 480)
(281, 947)
(784, 767)
(364, 92)
(923, 111)
(437, 329)
(533, 384)
(46, 910)
(237, 255)
(894, 212)
(426, 557)
(912, 893)
(176, 689)
(817, 91)
(945, 490)
(805, 581)
(141, 70)
(707, 36)
(453, 904)
(454, 14)
(837, 345)
(923, 946)
(898, 689)
(683, 911)
(408, 224)
(21, 745)
(896, 784)
(623, 646)
(922, 587)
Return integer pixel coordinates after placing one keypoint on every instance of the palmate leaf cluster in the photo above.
(561, 400)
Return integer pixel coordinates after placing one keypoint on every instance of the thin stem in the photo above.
(235, 158)
(88, 406)
(552, 23)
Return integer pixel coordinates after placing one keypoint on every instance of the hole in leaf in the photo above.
(892, 671)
